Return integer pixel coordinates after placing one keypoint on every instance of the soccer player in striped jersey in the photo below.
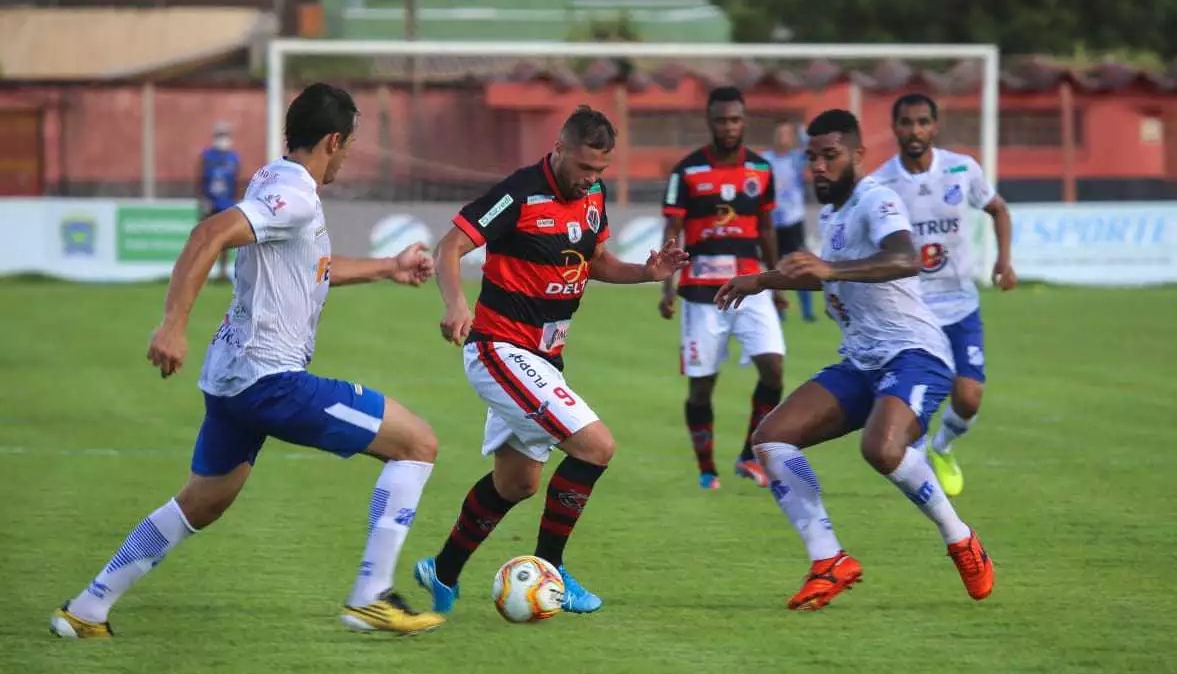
(544, 228)
(720, 198)
(255, 380)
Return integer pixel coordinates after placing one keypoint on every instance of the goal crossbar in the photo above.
(988, 54)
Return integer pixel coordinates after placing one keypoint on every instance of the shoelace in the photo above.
(969, 560)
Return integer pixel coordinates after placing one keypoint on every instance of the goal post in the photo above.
(404, 64)
(988, 54)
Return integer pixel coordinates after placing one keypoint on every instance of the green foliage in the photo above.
(1136, 29)
(620, 28)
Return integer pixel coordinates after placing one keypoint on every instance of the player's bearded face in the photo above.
(577, 169)
(727, 125)
(915, 130)
(832, 166)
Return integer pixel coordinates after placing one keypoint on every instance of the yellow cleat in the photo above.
(947, 471)
(389, 613)
(68, 626)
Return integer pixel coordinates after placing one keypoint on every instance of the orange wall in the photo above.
(93, 133)
(1110, 147)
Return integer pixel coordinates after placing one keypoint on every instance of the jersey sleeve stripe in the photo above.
(469, 229)
(674, 211)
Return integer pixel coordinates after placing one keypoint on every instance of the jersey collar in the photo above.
(932, 168)
(713, 160)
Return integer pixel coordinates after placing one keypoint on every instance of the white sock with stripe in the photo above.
(952, 426)
(798, 493)
(390, 514)
(915, 478)
(144, 548)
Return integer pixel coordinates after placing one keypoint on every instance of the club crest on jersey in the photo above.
(593, 217)
(925, 191)
(273, 203)
(838, 238)
(727, 192)
(933, 257)
(953, 195)
(752, 186)
(574, 231)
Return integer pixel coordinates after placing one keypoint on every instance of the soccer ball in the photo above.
(528, 589)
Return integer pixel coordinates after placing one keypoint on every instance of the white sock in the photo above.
(144, 548)
(914, 478)
(952, 426)
(394, 505)
(797, 492)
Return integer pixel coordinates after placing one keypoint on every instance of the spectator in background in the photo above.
(788, 217)
(219, 181)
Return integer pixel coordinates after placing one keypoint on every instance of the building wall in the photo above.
(91, 137)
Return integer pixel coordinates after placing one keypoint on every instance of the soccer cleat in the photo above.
(752, 470)
(827, 579)
(443, 595)
(389, 613)
(709, 480)
(974, 565)
(576, 598)
(68, 626)
(947, 471)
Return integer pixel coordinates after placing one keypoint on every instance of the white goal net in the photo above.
(441, 121)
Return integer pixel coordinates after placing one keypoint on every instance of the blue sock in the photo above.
(806, 298)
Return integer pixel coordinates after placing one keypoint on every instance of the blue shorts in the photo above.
(916, 377)
(968, 346)
(336, 416)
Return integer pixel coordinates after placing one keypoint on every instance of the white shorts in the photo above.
(706, 331)
(531, 408)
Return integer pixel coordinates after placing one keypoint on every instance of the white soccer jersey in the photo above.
(878, 320)
(280, 283)
(939, 202)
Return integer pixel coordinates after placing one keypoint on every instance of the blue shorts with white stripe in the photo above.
(297, 407)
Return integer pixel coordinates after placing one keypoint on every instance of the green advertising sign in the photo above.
(152, 233)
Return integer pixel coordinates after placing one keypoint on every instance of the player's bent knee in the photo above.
(882, 455)
(517, 487)
(699, 390)
(966, 398)
(771, 369)
(593, 443)
(404, 436)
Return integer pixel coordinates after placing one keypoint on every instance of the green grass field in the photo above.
(1068, 479)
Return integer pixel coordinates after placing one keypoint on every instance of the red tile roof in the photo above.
(1024, 74)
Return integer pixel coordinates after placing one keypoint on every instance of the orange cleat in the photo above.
(827, 579)
(974, 565)
(752, 470)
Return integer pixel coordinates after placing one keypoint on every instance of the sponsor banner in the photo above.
(133, 240)
(1113, 244)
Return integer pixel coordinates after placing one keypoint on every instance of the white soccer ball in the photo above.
(528, 589)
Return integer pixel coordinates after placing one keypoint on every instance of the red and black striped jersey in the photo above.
(720, 205)
(539, 246)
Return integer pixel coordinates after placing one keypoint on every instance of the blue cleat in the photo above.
(709, 481)
(443, 595)
(576, 598)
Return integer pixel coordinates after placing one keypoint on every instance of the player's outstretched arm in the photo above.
(225, 230)
(456, 323)
(661, 265)
(897, 258)
(412, 267)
